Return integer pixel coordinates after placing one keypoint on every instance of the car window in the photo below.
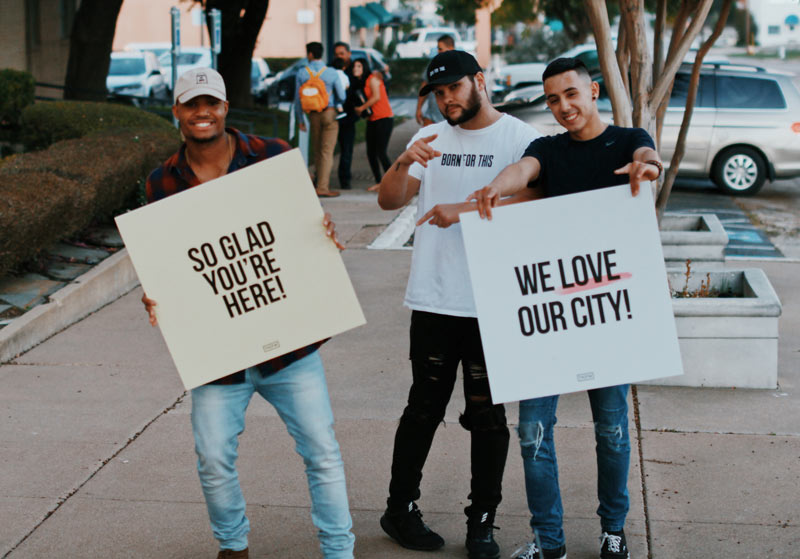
(735, 92)
(412, 37)
(680, 91)
(590, 59)
(126, 67)
(189, 58)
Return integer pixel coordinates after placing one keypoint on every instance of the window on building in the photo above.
(748, 93)
(774, 30)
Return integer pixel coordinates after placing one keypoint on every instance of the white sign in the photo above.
(571, 294)
(241, 269)
(305, 16)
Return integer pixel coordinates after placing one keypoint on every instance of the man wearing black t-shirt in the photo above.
(591, 154)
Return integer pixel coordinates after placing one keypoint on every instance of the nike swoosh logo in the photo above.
(610, 143)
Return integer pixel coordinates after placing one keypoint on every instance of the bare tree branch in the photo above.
(623, 57)
(598, 15)
(658, 39)
(680, 146)
(675, 59)
(632, 13)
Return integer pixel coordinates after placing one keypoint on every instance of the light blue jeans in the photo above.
(537, 417)
(299, 393)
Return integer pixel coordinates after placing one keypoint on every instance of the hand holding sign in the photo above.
(486, 198)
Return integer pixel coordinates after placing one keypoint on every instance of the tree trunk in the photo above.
(241, 22)
(620, 103)
(680, 146)
(90, 49)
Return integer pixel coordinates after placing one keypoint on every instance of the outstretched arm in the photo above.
(512, 181)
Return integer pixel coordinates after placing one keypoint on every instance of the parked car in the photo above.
(136, 74)
(282, 87)
(514, 76)
(419, 42)
(189, 57)
(260, 79)
(745, 127)
(156, 48)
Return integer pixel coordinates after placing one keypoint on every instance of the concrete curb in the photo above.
(104, 283)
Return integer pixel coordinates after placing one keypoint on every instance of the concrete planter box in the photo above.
(696, 237)
(727, 341)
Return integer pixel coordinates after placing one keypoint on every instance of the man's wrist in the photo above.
(657, 164)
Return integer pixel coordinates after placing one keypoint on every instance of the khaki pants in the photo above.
(324, 131)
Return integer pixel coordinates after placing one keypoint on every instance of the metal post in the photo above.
(175, 14)
(329, 10)
(215, 37)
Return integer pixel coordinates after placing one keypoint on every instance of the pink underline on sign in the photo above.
(594, 284)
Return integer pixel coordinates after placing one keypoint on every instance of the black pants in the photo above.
(347, 135)
(438, 344)
(378, 134)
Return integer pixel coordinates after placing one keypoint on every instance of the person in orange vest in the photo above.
(380, 119)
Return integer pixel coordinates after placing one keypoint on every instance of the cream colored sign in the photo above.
(241, 269)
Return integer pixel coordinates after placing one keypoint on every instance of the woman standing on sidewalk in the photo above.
(380, 117)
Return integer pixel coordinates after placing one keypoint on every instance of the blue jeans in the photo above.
(537, 417)
(299, 393)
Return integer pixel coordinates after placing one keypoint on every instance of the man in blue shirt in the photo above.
(324, 127)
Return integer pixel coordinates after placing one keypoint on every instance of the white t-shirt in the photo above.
(439, 279)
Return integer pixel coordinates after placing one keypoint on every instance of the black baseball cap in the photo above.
(448, 67)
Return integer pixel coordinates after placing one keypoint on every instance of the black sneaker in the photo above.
(407, 528)
(613, 546)
(533, 551)
(480, 535)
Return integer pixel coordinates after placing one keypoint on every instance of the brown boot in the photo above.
(231, 554)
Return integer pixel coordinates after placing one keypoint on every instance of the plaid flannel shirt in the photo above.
(175, 175)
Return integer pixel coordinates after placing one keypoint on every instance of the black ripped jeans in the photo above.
(438, 344)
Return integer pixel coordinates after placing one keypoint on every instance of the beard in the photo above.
(467, 113)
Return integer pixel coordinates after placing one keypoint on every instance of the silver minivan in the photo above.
(745, 127)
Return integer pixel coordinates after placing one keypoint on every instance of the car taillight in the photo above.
(508, 80)
(796, 127)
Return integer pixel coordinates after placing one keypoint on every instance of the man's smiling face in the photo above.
(202, 118)
(571, 98)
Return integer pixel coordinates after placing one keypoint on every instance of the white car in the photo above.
(190, 57)
(260, 79)
(136, 74)
(419, 42)
(514, 76)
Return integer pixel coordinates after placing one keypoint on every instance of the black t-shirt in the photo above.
(570, 166)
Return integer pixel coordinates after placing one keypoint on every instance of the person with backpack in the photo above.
(317, 89)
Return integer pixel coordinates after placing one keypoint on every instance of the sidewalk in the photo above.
(97, 455)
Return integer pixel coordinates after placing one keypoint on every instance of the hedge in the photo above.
(47, 122)
(16, 93)
(54, 194)
(407, 76)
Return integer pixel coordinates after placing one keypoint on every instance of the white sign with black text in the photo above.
(572, 294)
(241, 269)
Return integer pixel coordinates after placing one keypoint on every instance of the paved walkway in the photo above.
(97, 457)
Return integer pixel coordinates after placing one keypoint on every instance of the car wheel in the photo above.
(740, 171)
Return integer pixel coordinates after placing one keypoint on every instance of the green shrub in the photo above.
(407, 75)
(54, 194)
(47, 122)
(16, 93)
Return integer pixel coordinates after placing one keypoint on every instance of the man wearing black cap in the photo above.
(444, 163)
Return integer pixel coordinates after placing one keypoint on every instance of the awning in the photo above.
(792, 19)
(362, 17)
(383, 15)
